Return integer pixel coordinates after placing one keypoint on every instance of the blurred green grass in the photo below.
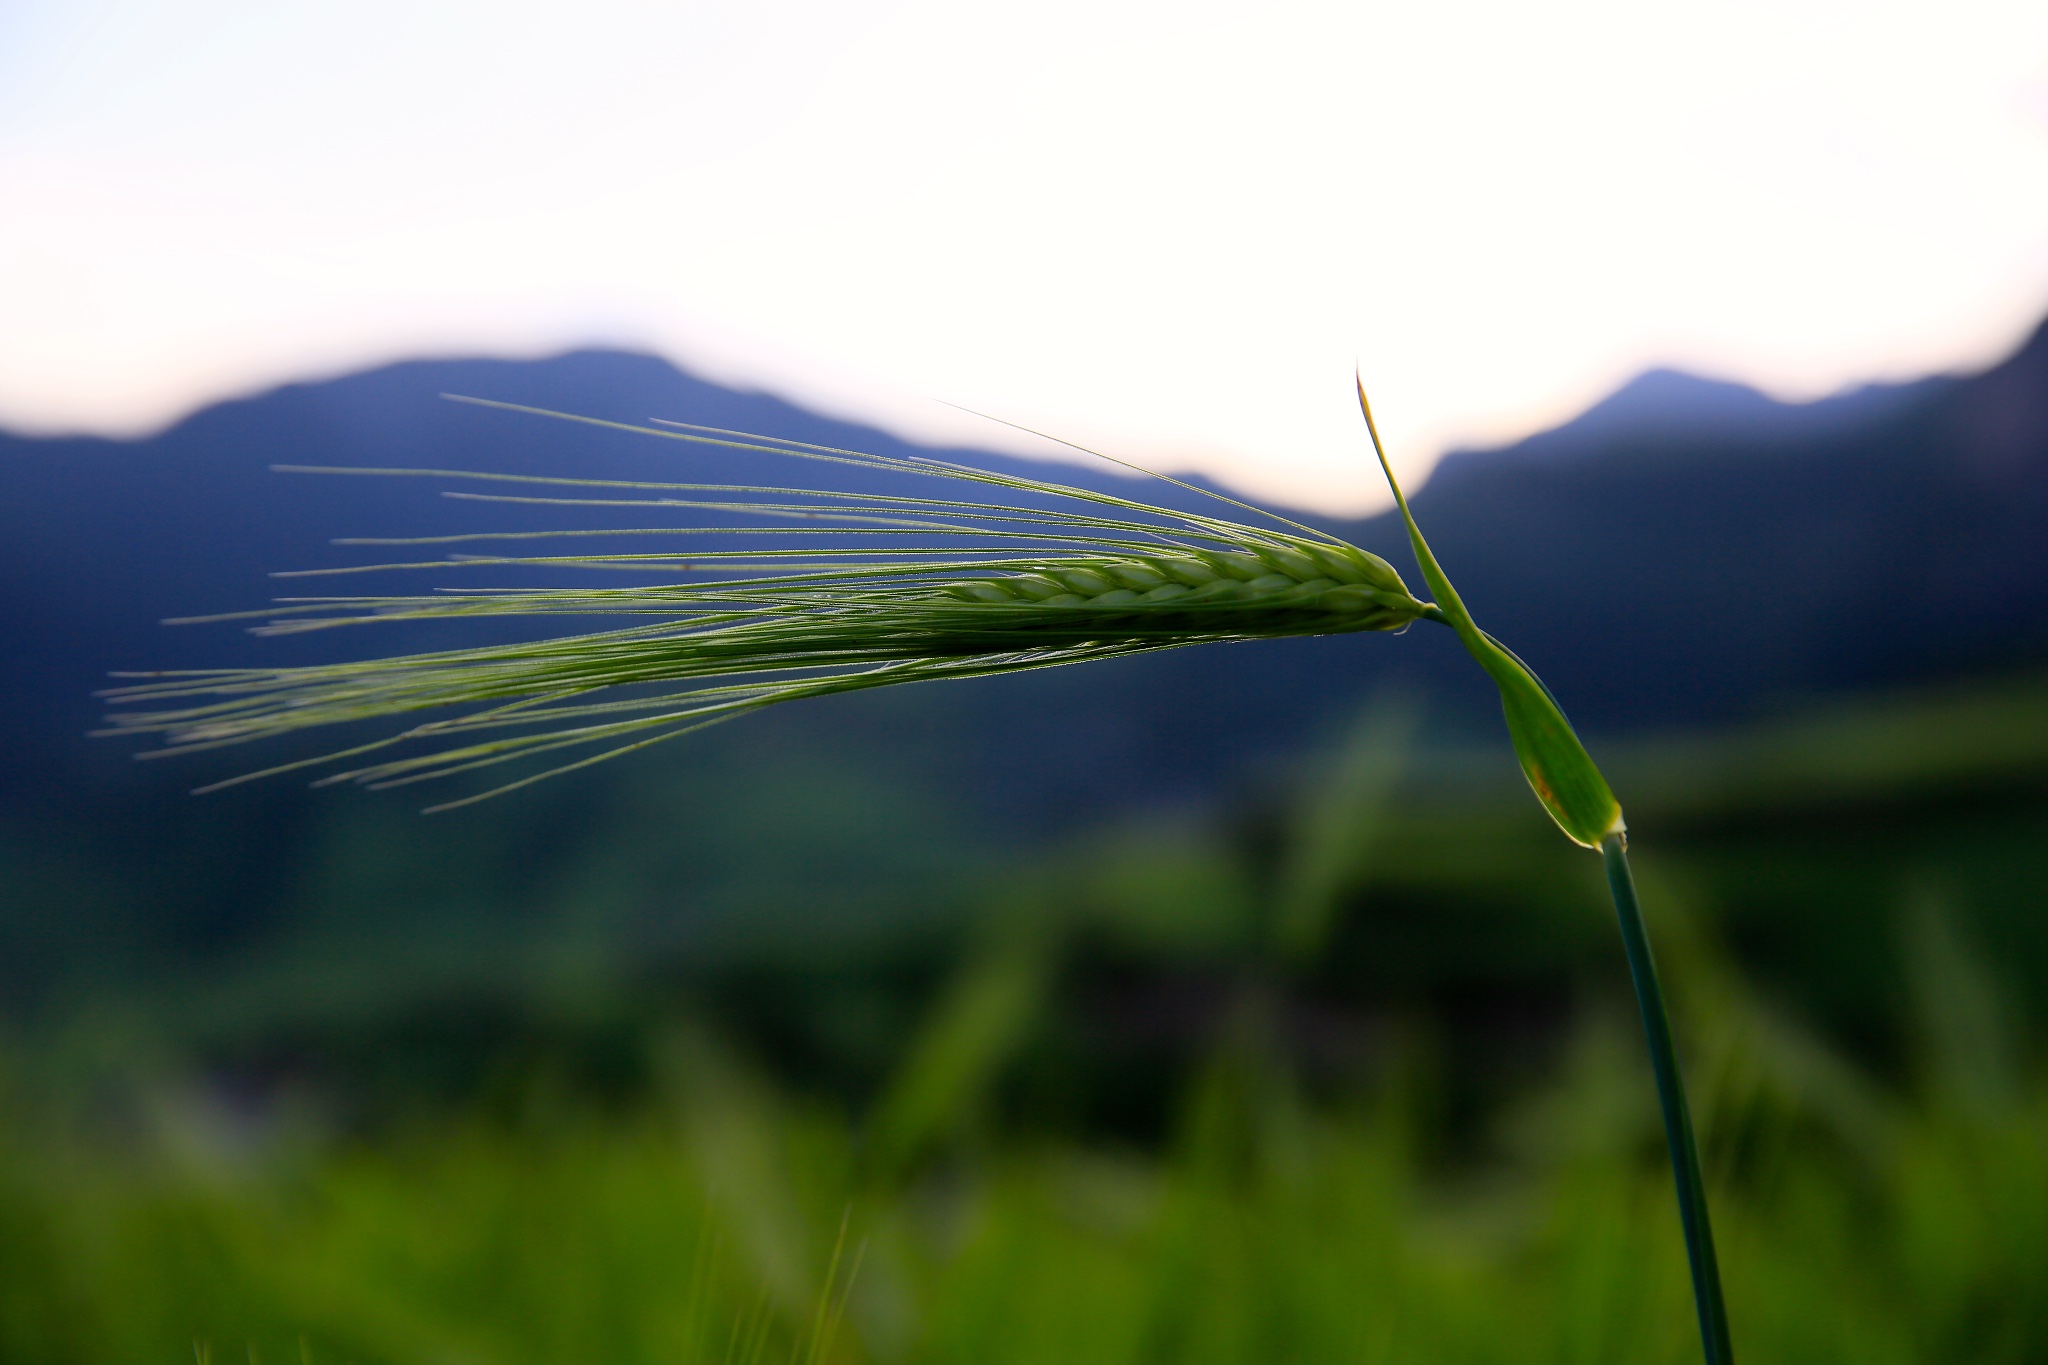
(1345, 1074)
(1861, 1223)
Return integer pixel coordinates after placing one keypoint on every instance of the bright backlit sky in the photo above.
(1169, 228)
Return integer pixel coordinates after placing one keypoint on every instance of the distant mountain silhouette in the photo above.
(1732, 552)
(1658, 402)
(1686, 551)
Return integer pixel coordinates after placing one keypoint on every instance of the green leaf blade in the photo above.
(1561, 773)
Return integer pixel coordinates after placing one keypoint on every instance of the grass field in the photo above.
(1420, 1129)
(730, 1222)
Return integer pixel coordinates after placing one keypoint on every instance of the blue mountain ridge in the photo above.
(1685, 552)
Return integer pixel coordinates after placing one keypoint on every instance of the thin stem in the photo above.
(1685, 1155)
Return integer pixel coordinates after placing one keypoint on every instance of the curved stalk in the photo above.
(1685, 1156)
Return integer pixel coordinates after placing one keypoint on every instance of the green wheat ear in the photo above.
(870, 590)
(1559, 769)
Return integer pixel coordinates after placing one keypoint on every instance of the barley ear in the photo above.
(1559, 769)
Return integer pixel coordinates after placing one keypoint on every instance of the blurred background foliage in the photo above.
(1347, 1074)
(1238, 1008)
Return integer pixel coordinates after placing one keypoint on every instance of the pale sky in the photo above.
(1170, 229)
